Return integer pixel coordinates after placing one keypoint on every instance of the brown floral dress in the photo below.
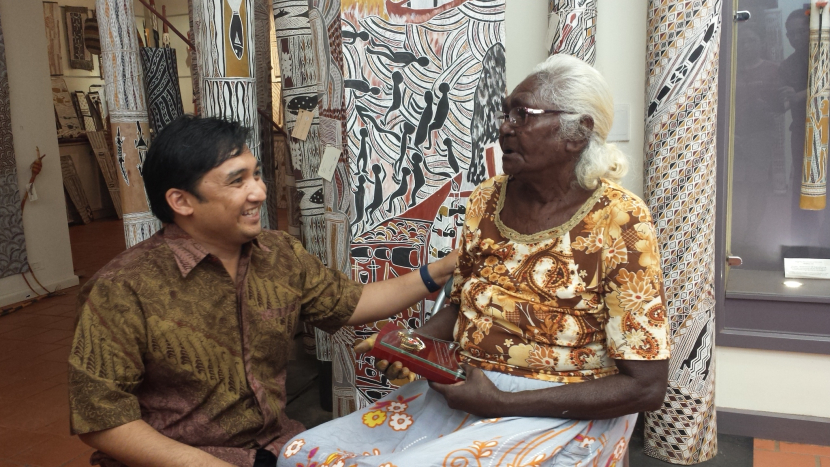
(560, 305)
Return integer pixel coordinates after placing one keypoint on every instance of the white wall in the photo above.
(33, 117)
(767, 381)
(745, 379)
(621, 45)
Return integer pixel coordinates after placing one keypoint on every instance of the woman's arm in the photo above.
(639, 386)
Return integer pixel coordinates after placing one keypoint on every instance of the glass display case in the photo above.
(762, 115)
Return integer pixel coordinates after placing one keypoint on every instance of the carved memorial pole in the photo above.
(128, 113)
(576, 28)
(224, 40)
(681, 116)
(814, 170)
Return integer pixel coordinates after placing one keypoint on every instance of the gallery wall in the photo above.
(33, 124)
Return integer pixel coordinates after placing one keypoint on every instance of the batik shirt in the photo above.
(562, 304)
(164, 335)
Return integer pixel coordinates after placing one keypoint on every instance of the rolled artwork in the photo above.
(814, 170)
(127, 106)
(573, 28)
(164, 98)
(224, 40)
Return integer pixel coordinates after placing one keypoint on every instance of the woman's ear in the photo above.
(587, 124)
(180, 201)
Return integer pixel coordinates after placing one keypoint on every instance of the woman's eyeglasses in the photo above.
(517, 116)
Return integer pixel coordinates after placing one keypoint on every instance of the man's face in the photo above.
(232, 195)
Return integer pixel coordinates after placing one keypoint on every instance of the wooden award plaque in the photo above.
(433, 359)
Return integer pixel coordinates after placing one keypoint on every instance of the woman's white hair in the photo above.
(568, 83)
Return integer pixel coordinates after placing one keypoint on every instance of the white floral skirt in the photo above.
(414, 427)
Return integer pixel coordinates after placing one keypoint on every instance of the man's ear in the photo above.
(587, 124)
(180, 201)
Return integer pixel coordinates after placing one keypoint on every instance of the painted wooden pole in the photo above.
(681, 117)
(814, 169)
(127, 106)
(262, 20)
(572, 28)
(225, 52)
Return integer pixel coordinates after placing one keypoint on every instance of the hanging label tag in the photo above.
(32, 193)
(328, 163)
(302, 125)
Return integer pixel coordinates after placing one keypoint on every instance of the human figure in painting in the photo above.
(557, 306)
(402, 190)
(366, 116)
(359, 199)
(399, 57)
(363, 154)
(397, 94)
(424, 120)
(350, 36)
(377, 199)
(181, 342)
(451, 155)
(362, 86)
(441, 112)
(406, 131)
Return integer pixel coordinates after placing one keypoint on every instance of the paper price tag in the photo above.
(302, 125)
(328, 163)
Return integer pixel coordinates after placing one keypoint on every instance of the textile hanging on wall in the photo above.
(422, 88)
(224, 40)
(681, 115)
(52, 16)
(13, 257)
(576, 28)
(127, 107)
(66, 115)
(79, 57)
(161, 76)
(814, 170)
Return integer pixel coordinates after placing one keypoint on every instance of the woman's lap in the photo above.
(414, 427)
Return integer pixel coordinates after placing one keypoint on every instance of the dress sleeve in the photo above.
(105, 364)
(328, 297)
(637, 326)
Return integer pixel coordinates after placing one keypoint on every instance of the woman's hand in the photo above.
(476, 395)
(395, 371)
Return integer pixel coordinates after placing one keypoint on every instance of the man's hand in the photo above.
(476, 395)
(393, 372)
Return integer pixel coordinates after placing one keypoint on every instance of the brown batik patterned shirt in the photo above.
(164, 335)
(562, 304)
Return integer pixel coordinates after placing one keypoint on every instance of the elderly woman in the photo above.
(557, 305)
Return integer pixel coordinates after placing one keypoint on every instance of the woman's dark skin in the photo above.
(542, 194)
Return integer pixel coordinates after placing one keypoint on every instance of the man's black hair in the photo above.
(183, 152)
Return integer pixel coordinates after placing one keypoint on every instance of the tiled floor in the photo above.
(34, 412)
(779, 454)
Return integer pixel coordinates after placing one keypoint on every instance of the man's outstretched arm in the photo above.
(383, 299)
(137, 444)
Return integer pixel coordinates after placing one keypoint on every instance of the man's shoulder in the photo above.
(131, 265)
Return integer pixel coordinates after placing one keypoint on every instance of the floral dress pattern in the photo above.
(562, 304)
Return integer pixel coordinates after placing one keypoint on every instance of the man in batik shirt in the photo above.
(180, 350)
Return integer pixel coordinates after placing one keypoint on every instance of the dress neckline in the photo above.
(557, 231)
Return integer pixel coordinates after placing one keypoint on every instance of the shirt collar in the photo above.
(189, 253)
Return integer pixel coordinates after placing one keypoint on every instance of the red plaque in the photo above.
(433, 359)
